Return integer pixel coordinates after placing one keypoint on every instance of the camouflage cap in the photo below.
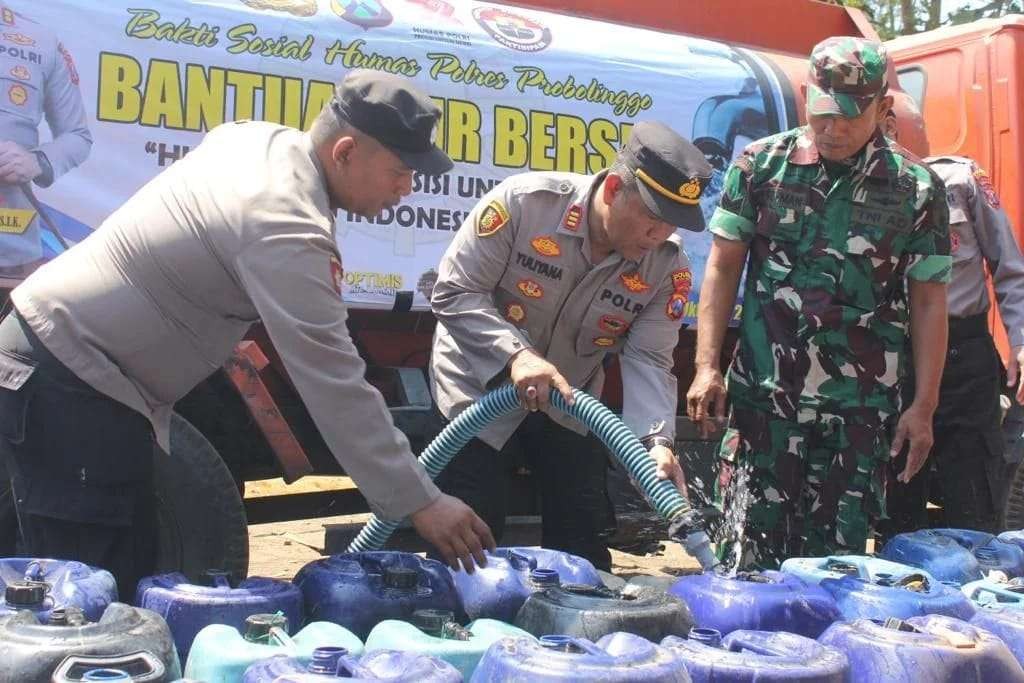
(846, 75)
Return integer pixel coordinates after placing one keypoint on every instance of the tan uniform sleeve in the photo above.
(288, 276)
(463, 298)
(649, 389)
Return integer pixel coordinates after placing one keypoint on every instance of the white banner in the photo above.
(520, 91)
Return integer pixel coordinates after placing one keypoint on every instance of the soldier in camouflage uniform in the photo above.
(848, 243)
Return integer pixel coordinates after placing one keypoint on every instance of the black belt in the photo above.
(968, 328)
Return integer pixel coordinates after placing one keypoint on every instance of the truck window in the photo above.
(913, 82)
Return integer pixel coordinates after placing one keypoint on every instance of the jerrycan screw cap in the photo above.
(25, 593)
(400, 577)
(545, 577)
(67, 616)
(259, 626)
(325, 660)
(432, 621)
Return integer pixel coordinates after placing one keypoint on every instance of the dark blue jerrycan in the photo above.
(189, 607)
(992, 552)
(1014, 537)
(615, 658)
(498, 590)
(68, 646)
(336, 664)
(41, 585)
(939, 554)
(925, 649)
(360, 590)
(590, 612)
(757, 656)
(910, 595)
(1006, 623)
(757, 601)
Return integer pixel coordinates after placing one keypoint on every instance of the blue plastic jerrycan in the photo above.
(929, 648)
(761, 656)
(436, 633)
(1014, 537)
(220, 654)
(1009, 594)
(910, 595)
(498, 590)
(992, 553)
(757, 601)
(189, 607)
(938, 554)
(329, 664)
(360, 590)
(814, 569)
(41, 585)
(1006, 623)
(616, 657)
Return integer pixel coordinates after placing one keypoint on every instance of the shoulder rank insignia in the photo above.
(530, 288)
(985, 183)
(634, 283)
(572, 217)
(492, 219)
(545, 245)
(682, 281)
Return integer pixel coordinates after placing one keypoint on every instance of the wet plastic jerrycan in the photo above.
(1009, 594)
(757, 601)
(908, 595)
(68, 645)
(615, 658)
(436, 633)
(761, 656)
(220, 654)
(189, 607)
(814, 569)
(1014, 537)
(938, 554)
(498, 590)
(360, 590)
(992, 553)
(1006, 623)
(332, 664)
(40, 585)
(588, 612)
(930, 648)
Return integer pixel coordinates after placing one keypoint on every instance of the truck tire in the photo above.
(1013, 511)
(200, 514)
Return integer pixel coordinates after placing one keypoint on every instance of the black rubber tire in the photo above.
(1013, 511)
(200, 514)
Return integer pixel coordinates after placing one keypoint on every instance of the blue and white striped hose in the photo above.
(623, 444)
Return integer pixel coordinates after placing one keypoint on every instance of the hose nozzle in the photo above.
(688, 529)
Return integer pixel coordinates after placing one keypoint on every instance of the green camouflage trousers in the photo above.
(810, 487)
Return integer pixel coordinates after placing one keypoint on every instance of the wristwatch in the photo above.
(45, 177)
(653, 440)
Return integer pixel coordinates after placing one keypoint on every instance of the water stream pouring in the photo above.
(686, 525)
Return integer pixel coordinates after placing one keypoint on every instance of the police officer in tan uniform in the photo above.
(38, 80)
(549, 275)
(968, 454)
(110, 334)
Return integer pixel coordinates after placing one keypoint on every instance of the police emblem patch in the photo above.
(634, 283)
(492, 219)
(18, 94)
(572, 217)
(515, 312)
(545, 246)
(21, 73)
(337, 273)
(530, 288)
(604, 341)
(613, 324)
(19, 38)
(8, 16)
(682, 281)
(365, 14)
(676, 306)
(985, 183)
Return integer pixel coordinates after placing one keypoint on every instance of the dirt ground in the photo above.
(280, 549)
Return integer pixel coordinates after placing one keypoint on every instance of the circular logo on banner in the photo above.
(366, 14)
(512, 30)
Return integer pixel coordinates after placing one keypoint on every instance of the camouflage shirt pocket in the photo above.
(868, 270)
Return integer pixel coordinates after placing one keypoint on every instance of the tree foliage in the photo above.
(893, 18)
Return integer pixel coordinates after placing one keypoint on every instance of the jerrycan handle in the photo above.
(572, 644)
(143, 665)
(520, 560)
(989, 596)
(218, 578)
(745, 645)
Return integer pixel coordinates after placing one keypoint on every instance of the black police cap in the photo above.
(394, 112)
(671, 173)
